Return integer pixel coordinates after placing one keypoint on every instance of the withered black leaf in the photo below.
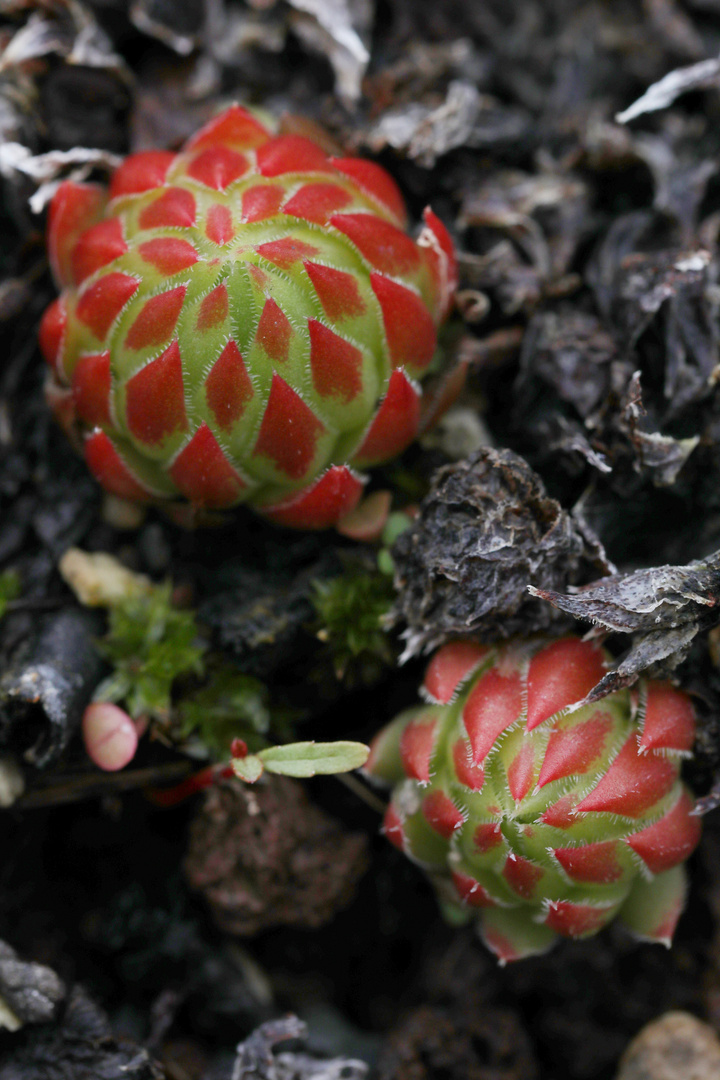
(669, 289)
(79, 1045)
(676, 282)
(569, 353)
(663, 607)
(32, 991)
(532, 227)
(662, 455)
(571, 369)
(486, 531)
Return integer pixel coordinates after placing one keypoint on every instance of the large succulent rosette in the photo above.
(244, 321)
(543, 819)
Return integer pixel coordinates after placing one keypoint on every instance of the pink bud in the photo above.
(238, 748)
(110, 736)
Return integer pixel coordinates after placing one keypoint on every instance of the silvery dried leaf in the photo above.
(425, 133)
(340, 30)
(569, 353)
(679, 178)
(664, 455)
(256, 1059)
(233, 31)
(663, 93)
(177, 23)
(38, 37)
(68, 30)
(49, 170)
(663, 607)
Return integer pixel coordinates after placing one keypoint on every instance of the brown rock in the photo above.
(266, 856)
(464, 1044)
(677, 1046)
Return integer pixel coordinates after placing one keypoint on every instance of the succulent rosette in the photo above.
(542, 819)
(244, 321)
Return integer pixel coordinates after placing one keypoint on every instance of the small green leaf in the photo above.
(248, 768)
(395, 525)
(303, 759)
(385, 562)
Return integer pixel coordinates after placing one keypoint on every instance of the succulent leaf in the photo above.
(244, 321)
(653, 908)
(542, 817)
(305, 759)
(512, 936)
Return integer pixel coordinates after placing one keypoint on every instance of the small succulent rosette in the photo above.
(541, 818)
(244, 321)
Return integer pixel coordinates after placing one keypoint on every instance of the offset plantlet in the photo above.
(244, 321)
(541, 819)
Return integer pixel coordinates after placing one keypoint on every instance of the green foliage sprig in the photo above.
(351, 609)
(164, 670)
(150, 644)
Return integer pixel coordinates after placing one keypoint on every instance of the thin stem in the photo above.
(91, 785)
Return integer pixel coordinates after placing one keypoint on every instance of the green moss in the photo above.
(164, 670)
(229, 705)
(351, 610)
(150, 644)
